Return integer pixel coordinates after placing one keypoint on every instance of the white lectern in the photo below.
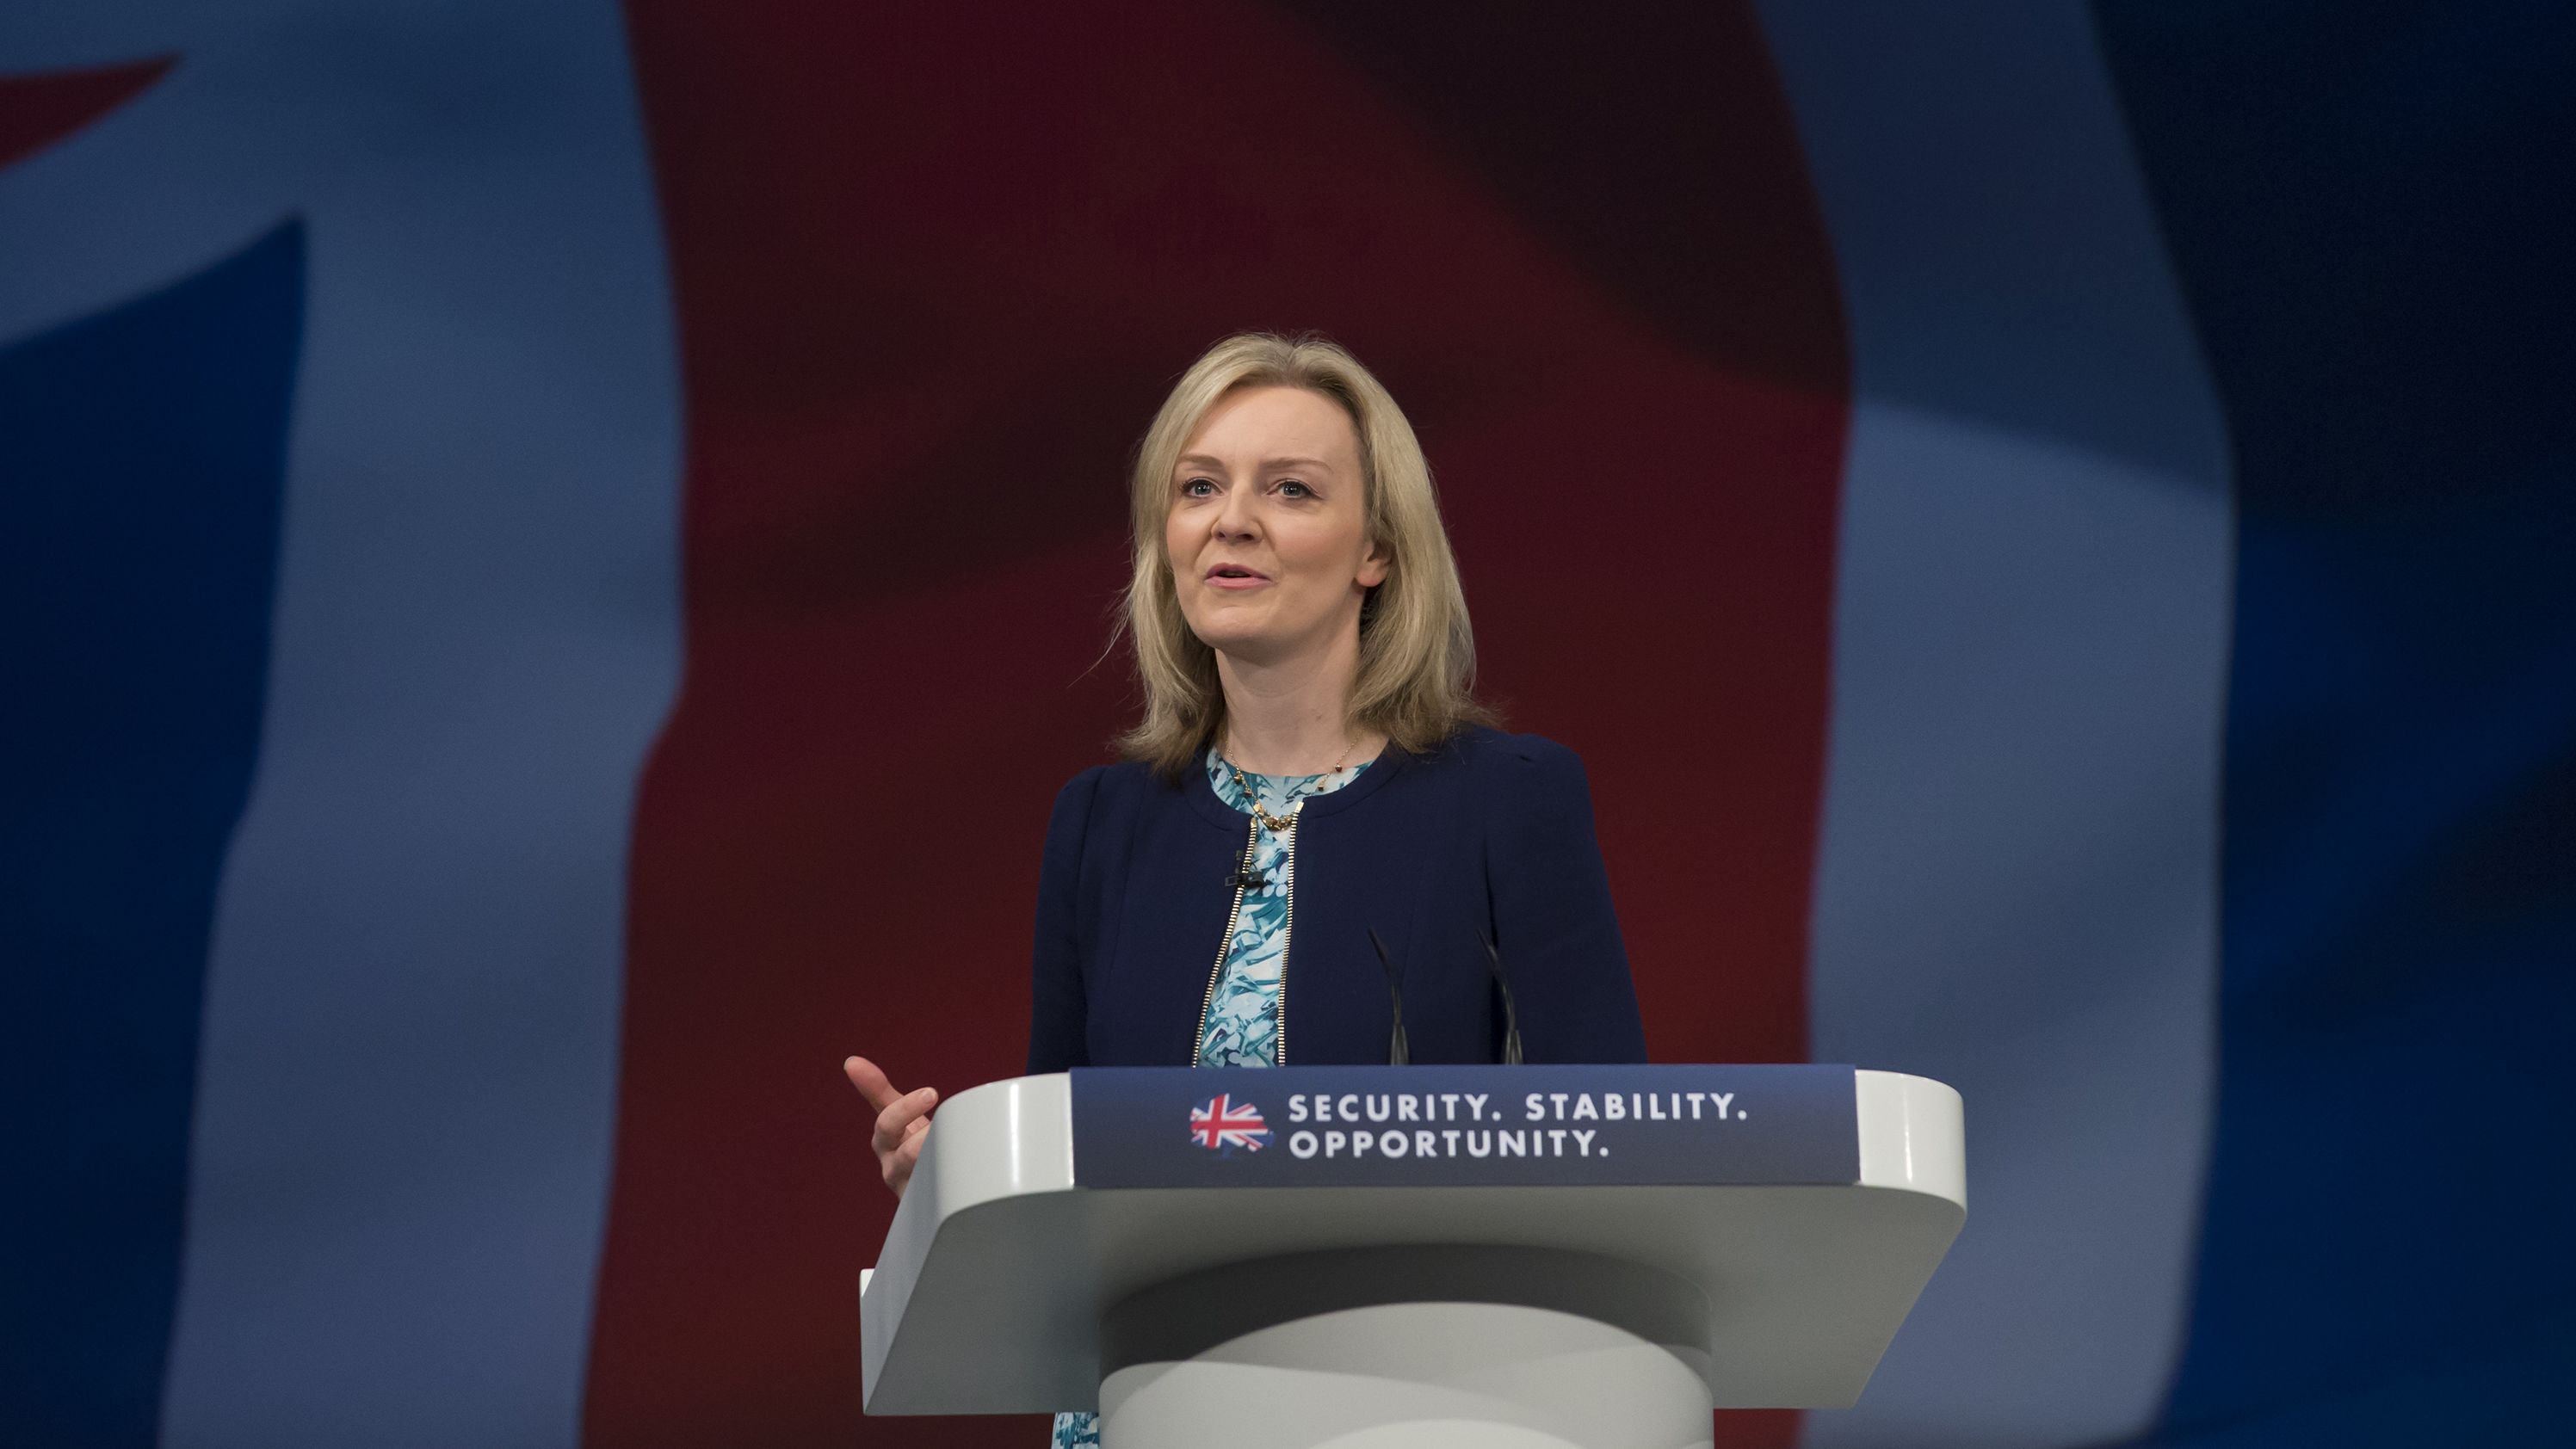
(1246, 1271)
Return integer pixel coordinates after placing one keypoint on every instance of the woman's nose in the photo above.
(1236, 519)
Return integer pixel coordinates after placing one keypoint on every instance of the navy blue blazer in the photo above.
(1488, 834)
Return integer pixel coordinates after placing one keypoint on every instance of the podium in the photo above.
(1412, 1256)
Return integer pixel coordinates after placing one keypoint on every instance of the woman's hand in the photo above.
(903, 1119)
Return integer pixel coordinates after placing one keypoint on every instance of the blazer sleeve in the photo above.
(1553, 919)
(1058, 1008)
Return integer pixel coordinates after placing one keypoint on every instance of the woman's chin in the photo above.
(1244, 641)
(1229, 623)
(1258, 636)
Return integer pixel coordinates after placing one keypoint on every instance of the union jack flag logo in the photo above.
(1222, 1124)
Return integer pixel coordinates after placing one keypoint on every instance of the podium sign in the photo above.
(1465, 1126)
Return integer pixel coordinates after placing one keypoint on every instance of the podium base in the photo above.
(1587, 1358)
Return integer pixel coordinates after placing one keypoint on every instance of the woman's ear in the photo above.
(1375, 565)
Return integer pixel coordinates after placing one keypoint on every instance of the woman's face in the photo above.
(1267, 535)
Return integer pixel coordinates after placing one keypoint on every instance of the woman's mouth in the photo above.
(1235, 576)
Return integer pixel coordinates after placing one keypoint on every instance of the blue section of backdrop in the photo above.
(143, 452)
(2373, 211)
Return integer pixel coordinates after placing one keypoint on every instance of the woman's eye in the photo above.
(1197, 488)
(1293, 489)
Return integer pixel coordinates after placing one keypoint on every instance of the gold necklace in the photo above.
(1280, 824)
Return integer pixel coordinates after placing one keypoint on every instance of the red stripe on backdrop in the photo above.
(935, 266)
(38, 110)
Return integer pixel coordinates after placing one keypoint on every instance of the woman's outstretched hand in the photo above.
(903, 1119)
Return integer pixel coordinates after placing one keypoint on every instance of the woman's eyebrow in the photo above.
(1202, 460)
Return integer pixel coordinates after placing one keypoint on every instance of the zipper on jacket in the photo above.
(1287, 924)
(1225, 946)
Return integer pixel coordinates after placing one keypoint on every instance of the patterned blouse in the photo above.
(1241, 1024)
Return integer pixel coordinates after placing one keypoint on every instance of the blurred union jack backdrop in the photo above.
(523, 527)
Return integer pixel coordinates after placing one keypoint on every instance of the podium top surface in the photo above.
(1810, 1239)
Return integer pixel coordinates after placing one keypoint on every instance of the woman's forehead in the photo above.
(1261, 426)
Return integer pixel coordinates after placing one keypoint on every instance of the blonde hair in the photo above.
(1417, 655)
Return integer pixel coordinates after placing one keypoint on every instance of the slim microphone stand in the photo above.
(1511, 1014)
(1399, 1053)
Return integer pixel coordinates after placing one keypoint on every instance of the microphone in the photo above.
(1248, 878)
(1398, 1053)
(1511, 1015)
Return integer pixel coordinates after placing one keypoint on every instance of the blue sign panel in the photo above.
(1463, 1126)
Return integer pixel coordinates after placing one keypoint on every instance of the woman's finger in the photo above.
(900, 1162)
(871, 1081)
(893, 1122)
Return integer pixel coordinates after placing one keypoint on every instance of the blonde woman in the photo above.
(1311, 772)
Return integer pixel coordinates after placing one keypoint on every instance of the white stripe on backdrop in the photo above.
(2017, 882)
(408, 1075)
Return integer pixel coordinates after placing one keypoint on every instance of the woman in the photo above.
(1311, 768)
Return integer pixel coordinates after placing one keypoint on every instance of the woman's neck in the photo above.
(1290, 717)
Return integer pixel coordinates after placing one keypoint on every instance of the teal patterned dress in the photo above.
(1241, 1025)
